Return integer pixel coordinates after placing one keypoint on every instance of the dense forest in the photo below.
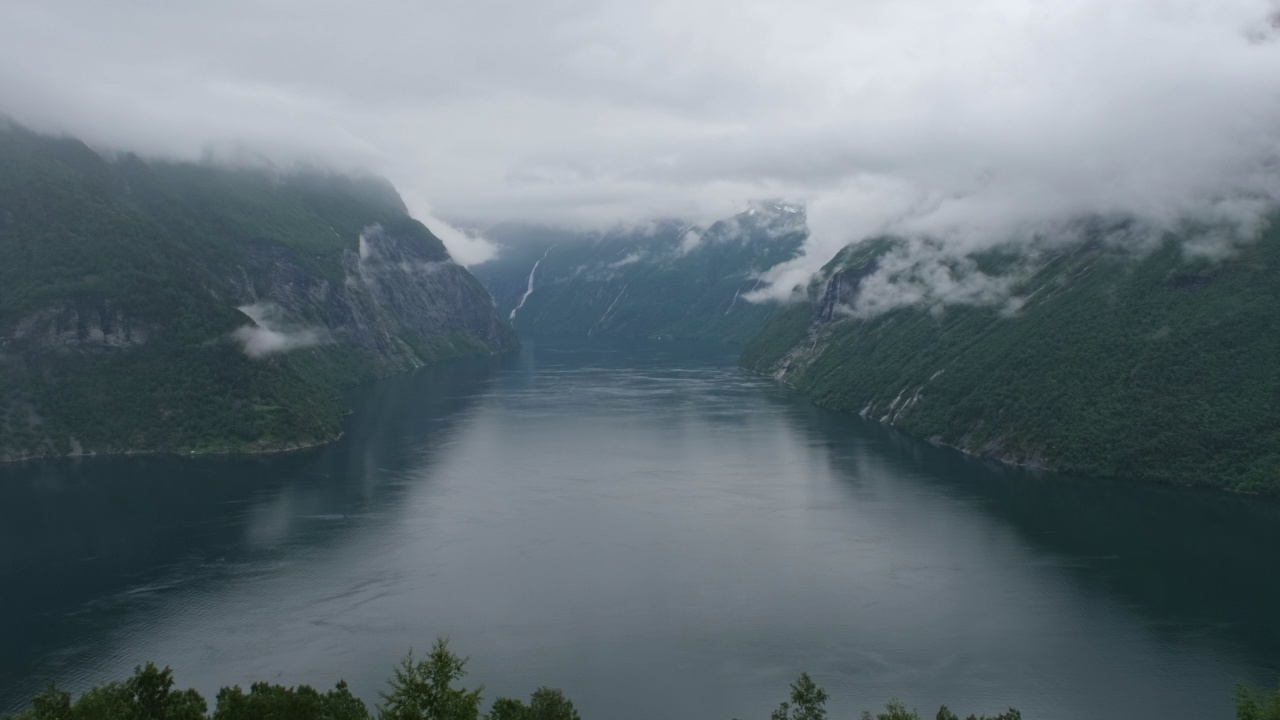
(198, 308)
(1156, 364)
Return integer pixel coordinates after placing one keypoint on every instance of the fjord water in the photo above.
(655, 532)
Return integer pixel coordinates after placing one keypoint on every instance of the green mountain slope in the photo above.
(181, 307)
(666, 280)
(1161, 367)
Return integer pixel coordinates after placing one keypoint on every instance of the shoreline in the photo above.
(6, 460)
(222, 452)
(1003, 460)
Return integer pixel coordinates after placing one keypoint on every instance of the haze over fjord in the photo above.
(968, 124)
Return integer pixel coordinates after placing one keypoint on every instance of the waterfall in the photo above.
(606, 312)
(529, 289)
(738, 292)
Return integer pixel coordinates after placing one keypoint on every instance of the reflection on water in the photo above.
(87, 544)
(1196, 563)
(655, 532)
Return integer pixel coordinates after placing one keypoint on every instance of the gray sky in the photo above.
(963, 120)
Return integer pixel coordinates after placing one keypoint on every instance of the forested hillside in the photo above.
(165, 306)
(1158, 364)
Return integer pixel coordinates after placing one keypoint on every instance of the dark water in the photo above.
(654, 532)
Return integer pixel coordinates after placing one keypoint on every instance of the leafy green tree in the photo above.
(150, 695)
(104, 701)
(1253, 704)
(508, 709)
(545, 704)
(551, 704)
(340, 704)
(808, 702)
(283, 703)
(52, 703)
(147, 695)
(423, 689)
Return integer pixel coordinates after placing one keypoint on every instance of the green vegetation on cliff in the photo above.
(167, 306)
(1159, 365)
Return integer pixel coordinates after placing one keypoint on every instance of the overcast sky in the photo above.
(963, 120)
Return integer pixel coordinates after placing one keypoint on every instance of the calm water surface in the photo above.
(655, 532)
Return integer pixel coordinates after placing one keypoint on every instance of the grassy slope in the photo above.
(1161, 368)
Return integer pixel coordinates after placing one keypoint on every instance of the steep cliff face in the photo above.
(668, 279)
(405, 302)
(76, 325)
(152, 306)
(1157, 365)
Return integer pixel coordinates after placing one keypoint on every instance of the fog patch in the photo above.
(920, 272)
(690, 240)
(467, 247)
(630, 259)
(273, 333)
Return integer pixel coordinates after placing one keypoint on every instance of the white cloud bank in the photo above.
(965, 122)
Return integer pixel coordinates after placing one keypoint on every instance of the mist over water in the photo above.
(651, 530)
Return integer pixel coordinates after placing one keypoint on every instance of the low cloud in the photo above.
(919, 272)
(272, 333)
(630, 259)
(466, 246)
(970, 124)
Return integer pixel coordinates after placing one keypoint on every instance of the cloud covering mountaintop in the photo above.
(963, 121)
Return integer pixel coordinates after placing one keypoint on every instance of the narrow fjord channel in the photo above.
(652, 530)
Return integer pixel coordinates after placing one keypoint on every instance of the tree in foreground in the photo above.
(147, 695)
(545, 704)
(423, 689)
(284, 703)
(1254, 704)
(808, 702)
(418, 690)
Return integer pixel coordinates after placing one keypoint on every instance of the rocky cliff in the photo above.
(181, 307)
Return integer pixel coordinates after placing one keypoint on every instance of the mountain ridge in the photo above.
(178, 307)
(668, 279)
(1156, 366)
